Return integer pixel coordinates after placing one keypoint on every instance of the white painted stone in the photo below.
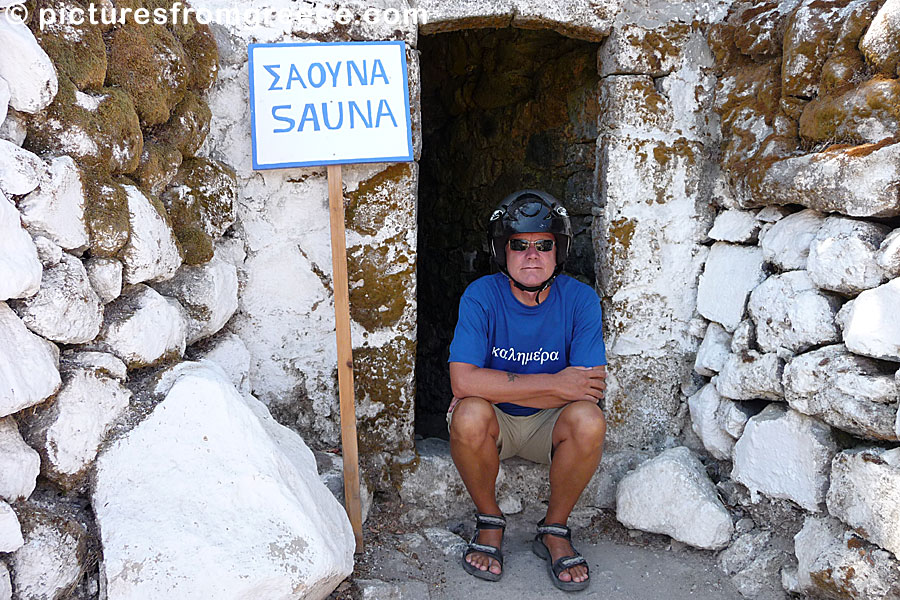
(105, 275)
(229, 352)
(713, 350)
(705, 421)
(843, 255)
(51, 559)
(151, 253)
(21, 171)
(871, 326)
(331, 473)
(4, 99)
(26, 68)
(786, 244)
(13, 129)
(66, 309)
(48, 252)
(672, 494)
(836, 563)
(28, 365)
(772, 214)
(208, 293)
(68, 431)
(19, 463)
(730, 275)
(750, 375)
(879, 43)
(141, 327)
(733, 417)
(846, 391)
(259, 519)
(737, 226)
(865, 494)
(744, 337)
(784, 454)
(791, 314)
(888, 256)
(20, 268)
(10, 531)
(102, 363)
(56, 208)
(753, 561)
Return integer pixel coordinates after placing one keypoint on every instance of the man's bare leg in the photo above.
(578, 444)
(473, 446)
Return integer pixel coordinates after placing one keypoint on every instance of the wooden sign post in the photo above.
(330, 104)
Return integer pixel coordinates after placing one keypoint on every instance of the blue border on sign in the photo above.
(407, 158)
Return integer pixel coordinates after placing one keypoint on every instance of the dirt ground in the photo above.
(404, 561)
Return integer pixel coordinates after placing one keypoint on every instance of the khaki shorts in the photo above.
(529, 437)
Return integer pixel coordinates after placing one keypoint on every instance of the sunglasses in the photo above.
(519, 245)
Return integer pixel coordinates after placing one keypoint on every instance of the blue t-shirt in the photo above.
(496, 331)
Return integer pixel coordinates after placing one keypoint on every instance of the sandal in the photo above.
(554, 568)
(484, 522)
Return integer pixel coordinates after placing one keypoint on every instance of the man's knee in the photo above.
(472, 420)
(585, 422)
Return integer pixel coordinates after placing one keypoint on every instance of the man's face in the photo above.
(531, 267)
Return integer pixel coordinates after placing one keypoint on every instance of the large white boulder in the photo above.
(713, 350)
(871, 326)
(843, 256)
(26, 68)
(792, 314)
(834, 562)
(69, 430)
(750, 375)
(730, 275)
(20, 268)
(105, 275)
(226, 503)
(56, 208)
(846, 391)
(53, 557)
(708, 412)
(865, 494)
(10, 531)
(784, 454)
(19, 463)
(21, 171)
(736, 226)
(28, 365)
(143, 328)
(786, 244)
(672, 494)
(151, 253)
(66, 309)
(208, 293)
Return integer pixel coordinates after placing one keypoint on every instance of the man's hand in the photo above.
(581, 383)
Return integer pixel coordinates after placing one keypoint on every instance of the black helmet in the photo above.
(529, 211)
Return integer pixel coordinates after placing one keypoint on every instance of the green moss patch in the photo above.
(106, 214)
(158, 166)
(188, 127)
(384, 275)
(77, 51)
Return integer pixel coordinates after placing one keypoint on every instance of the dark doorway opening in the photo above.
(502, 110)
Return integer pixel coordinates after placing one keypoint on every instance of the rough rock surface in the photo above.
(708, 411)
(889, 254)
(26, 68)
(882, 38)
(10, 531)
(870, 324)
(736, 226)
(66, 309)
(5, 583)
(836, 563)
(749, 375)
(730, 275)
(229, 352)
(846, 391)
(786, 244)
(52, 558)
(105, 275)
(19, 463)
(21, 171)
(784, 454)
(753, 561)
(865, 494)
(29, 373)
(792, 314)
(713, 350)
(20, 269)
(672, 494)
(142, 327)
(56, 208)
(843, 256)
(103, 364)
(151, 253)
(208, 293)
(68, 432)
(258, 515)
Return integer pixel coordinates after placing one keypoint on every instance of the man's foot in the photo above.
(566, 567)
(482, 561)
(560, 547)
(483, 557)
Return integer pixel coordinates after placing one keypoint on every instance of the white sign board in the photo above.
(329, 103)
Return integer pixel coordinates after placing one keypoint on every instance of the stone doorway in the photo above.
(502, 109)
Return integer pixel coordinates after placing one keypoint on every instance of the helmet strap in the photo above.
(533, 288)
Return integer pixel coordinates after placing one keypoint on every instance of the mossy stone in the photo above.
(77, 51)
(149, 63)
(106, 214)
(188, 127)
(868, 113)
(158, 166)
(386, 274)
(203, 55)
